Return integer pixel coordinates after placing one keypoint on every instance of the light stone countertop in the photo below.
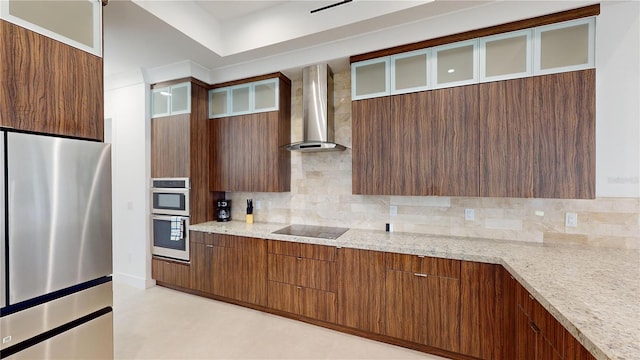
(593, 292)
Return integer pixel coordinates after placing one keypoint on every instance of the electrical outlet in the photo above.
(393, 210)
(258, 205)
(571, 220)
(469, 214)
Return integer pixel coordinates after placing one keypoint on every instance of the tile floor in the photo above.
(160, 323)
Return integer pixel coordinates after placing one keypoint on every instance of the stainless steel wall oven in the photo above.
(170, 218)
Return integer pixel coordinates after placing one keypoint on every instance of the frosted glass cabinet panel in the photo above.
(506, 56)
(566, 46)
(455, 64)
(265, 95)
(219, 100)
(370, 78)
(74, 22)
(171, 100)
(409, 72)
(160, 102)
(241, 99)
(181, 99)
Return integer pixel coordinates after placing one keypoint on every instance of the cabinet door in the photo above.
(246, 262)
(171, 273)
(240, 99)
(370, 78)
(423, 309)
(202, 263)
(564, 124)
(361, 289)
(506, 56)
(160, 102)
(170, 146)
(566, 46)
(371, 145)
(75, 23)
(318, 304)
(180, 98)
(284, 297)
(219, 103)
(410, 71)
(455, 64)
(265, 95)
(506, 138)
(526, 337)
(434, 144)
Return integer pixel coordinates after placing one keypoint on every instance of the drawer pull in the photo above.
(421, 275)
(420, 256)
(209, 246)
(299, 258)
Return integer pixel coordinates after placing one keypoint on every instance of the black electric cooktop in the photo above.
(325, 232)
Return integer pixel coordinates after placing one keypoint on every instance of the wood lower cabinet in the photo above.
(230, 266)
(361, 289)
(302, 279)
(171, 272)
(487, 318)
(422, 300)
(540, 336)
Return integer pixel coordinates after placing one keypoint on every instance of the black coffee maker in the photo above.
(223, 210)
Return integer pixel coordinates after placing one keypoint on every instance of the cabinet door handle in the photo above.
(299, 258)
(420, 256)
(421, 275)
(299, 287)
(534, 327)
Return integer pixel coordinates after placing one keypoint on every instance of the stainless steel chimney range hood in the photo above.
(317, 111)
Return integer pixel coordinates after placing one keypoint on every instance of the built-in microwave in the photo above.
(170, 236)
(170, 196)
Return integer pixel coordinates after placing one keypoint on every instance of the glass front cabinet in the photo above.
(171, 100)
(566, 46)
(75, 23)
(249, 98)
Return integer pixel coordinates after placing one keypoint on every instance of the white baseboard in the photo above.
(134, 281)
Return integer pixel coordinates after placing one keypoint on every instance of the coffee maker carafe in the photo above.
(223, 210)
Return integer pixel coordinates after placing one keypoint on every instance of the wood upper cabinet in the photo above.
(422, 300)
(371, 146)
(178, 149)
(302, 279)
(361, 289)
(507, 138)
(247, 151)
(170, 146)
(230, 266)
(564, 124)
(425, 146)
(41, 92)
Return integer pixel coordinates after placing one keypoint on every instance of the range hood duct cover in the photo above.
(317, 111)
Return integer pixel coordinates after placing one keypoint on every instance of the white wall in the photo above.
(127, 105)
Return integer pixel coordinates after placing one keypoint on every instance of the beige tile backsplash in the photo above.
(321, 195)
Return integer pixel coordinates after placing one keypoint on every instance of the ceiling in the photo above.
(218, 35)
(151, 33)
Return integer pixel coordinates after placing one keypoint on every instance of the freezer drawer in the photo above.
(91, 340)
(24, 325)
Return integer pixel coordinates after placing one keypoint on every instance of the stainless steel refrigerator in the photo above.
(55, 248)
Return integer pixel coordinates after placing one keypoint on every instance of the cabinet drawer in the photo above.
(301, 271)
(312, 303)
(170, 272)
(309, 251)
(423, 265)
